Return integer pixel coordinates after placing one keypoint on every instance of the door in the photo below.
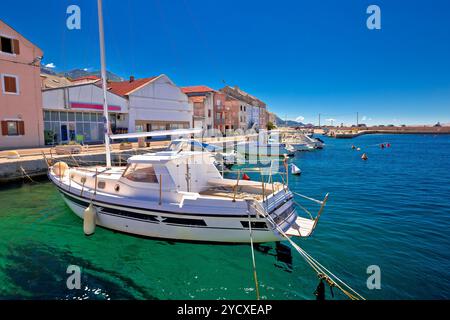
(68, 132)
(64, 133)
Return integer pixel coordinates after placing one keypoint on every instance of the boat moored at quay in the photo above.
(180, 196)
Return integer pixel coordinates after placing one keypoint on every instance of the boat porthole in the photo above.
(83, 179)
(72, 176)
(101, 184)
(117, 188)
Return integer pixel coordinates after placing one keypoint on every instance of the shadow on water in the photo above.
(41, 273)
(281, 252)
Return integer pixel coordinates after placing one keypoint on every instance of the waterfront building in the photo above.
(223, 120)
(74, 112)
(271, 117)
(255, 110)
(154, 103)
(20, 96)
(202, 100)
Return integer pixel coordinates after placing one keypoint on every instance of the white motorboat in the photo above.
(302, 142)
(295, 170)
(269, 149)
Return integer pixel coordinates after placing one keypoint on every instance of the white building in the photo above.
(75, 113)
(253, 116)
(154, 103)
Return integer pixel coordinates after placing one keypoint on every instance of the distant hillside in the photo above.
(290, 123)
(78, 73)
(48, 71)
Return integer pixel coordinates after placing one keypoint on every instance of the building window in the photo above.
(10, 84)
(8, 45)
(209, 113)
(13, 128)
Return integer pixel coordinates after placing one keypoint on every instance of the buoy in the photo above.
(60, 168)
(382, 146)
(358, 149)
(388, 145)
(245, 177)
(364, 156)
(13, 154)
(89, 219)
(353, 147)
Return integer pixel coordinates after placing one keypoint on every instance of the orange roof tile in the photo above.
(196, 89)
(124, 88)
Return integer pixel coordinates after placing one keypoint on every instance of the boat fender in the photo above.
(89, 220)
(13, 154)
(60, 168)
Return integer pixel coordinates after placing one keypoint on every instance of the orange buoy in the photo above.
(364, 156)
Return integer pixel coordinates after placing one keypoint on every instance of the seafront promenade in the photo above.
(28, 163)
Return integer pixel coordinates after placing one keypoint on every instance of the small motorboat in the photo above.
(296, 171)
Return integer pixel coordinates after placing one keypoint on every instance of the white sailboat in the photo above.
(177, 194)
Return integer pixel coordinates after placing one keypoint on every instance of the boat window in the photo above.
(176, 145)
(141, 173)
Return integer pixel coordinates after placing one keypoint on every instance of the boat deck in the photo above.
(242, 189)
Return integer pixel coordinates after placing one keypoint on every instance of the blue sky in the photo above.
(301, 57)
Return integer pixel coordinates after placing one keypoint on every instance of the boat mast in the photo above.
(103, 75)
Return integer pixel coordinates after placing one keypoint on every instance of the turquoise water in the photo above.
(392, 211)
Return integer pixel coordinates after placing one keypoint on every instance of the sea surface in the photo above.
(392, 211)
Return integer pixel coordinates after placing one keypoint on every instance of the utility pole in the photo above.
(357, 118)
(319, 120)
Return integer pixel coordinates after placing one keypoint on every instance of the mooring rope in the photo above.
(316, 266)
(253, 257)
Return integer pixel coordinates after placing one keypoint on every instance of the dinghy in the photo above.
(295, 170)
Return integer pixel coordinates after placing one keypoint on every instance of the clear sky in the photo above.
(301, 57)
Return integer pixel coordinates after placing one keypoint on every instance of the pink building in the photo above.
(20, 94)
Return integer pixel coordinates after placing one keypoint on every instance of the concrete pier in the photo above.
(30, 166)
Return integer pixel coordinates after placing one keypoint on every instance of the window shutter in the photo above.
(10, 84)
(16, 46)
(20, 128)
(4, 128)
